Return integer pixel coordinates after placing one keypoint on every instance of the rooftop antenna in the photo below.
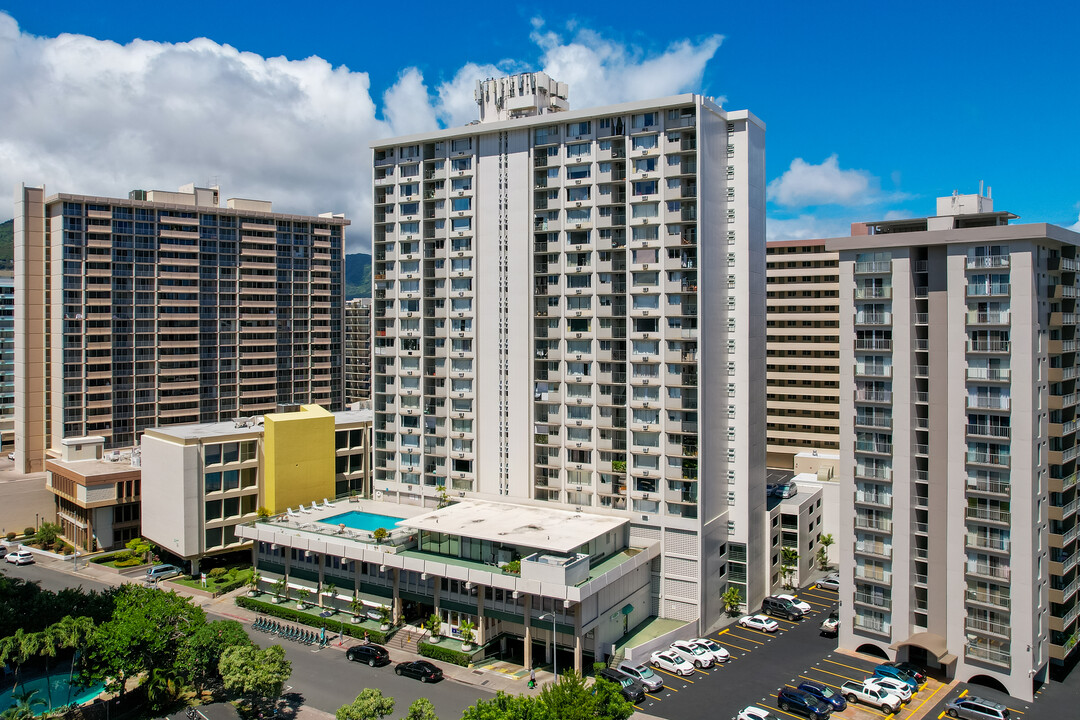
(980, 188)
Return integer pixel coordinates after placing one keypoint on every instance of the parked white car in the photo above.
(719, 653)
(762, 623)
(751, 712)
(699, 656)
(894, 687)
(671, 662)
(830, 582)
(20, 557)
(804, 606)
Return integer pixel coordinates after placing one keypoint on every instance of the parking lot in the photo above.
(760, 663)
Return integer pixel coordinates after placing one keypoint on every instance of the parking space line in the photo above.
(839, 676)
(789, 622)
(746, 629)
(823, 597)
(926, 699)
(677, 677)
(653, 697)
(737, 647)
(811, 602)
(852, 667)
(941, 715)
(701, 671)
(962, 694)
(746, 639)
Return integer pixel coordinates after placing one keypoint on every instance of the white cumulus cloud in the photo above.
(806, 227)
(1075, 227)
(803, 184)
(97, 117)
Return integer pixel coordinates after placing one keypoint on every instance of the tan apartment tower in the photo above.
(358, 350)
(958, 446)
(803, 346)
(569, 310)
(168, 308)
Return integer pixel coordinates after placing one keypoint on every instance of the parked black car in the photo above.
(803, 703)
(825, 694)
(631, 689)
(421, 669)
(780, 607)
(913, 670)
(371, 654)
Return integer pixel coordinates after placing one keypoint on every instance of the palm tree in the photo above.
(161, 685)
(16, 649)
(26, 706)
(48, 645)
(73, 632)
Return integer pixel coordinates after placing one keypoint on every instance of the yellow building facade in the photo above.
(299, 457)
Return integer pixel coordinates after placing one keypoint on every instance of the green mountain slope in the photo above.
(7, 245)
(357, 275)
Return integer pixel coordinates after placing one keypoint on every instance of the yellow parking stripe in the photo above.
(823, 597)
(701, 671)
(962, 694)
(927, 698)
(858, 680)
(852, 667)
(680, 677)
(653, 697)
(811, 602)
(731, 644)
(941, 715)
(746, 639)
(789, 622)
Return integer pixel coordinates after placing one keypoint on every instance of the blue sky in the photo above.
(873, 109)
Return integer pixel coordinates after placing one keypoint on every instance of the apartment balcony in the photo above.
(874, 575)
(989, 655)
(996, 290)
(873, 473)
(884, 500)
(986, 458)
(880, 421)
(873, 344)
(877, 448)
(987, 261)
(990, 431)
(982, 570)
(873, 549)
(877, 524)
(864, 370)
(983, 542)
(989, 487)
(873, 268)
(988, 318)
(873, 293)
(1063, 318)
(994, 600)
(987, 627)
(874, 396)
(873, 600)
(864, 318)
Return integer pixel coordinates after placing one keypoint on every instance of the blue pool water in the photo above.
(62, 693)
(358, 520)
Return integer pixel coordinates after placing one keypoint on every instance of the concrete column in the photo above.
(528, 632)
(395, 605)
(480, 615)
(319, 589)
(577, 637)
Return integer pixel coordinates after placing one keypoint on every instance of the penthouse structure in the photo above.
(166, 308)
(959, 448)
(568, 311)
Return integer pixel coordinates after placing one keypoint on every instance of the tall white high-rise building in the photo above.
(569, 309)
(958, 334)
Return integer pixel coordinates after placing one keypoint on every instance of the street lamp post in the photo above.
(554, 646)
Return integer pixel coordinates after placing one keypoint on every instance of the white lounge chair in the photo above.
(326, 503)
(292, 513)
(304, 509)
(315, 505)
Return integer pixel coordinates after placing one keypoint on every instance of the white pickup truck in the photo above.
(870, 693)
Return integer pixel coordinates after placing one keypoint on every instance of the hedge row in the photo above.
(303, 618)
(437, 652)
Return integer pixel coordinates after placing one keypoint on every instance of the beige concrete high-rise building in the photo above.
(569, 310)
(959, 444)
(358, 349)
(166, 308)
(803, 346)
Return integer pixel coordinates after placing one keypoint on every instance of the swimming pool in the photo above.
(359, 520)
(62, 692)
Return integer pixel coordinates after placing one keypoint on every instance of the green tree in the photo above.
(16, 649)
(506, 707)
(379, 534)
(141, 547)
(370, 704)
(201, 652)
(26, 706)
(732, 600)
(72, 633)
(434, 624)
(825, 541)
(47, 534)
(789, 563)
(147, 630)
(571, 699)
(252, 673)
(421, 709)
(468, 631)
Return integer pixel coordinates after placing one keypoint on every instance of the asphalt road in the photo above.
(50, 579)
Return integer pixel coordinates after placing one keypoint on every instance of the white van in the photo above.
(162, 572)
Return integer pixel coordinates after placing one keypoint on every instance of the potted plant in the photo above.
(467, 629)
(330, 591)
(301, 598)
(732, 601)
(281, 591)
(384, 617)
(253, 583)
(357, 607)
(379, 534)
(434, 624)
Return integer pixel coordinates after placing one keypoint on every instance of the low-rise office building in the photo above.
(583, 578)
(204, 480)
